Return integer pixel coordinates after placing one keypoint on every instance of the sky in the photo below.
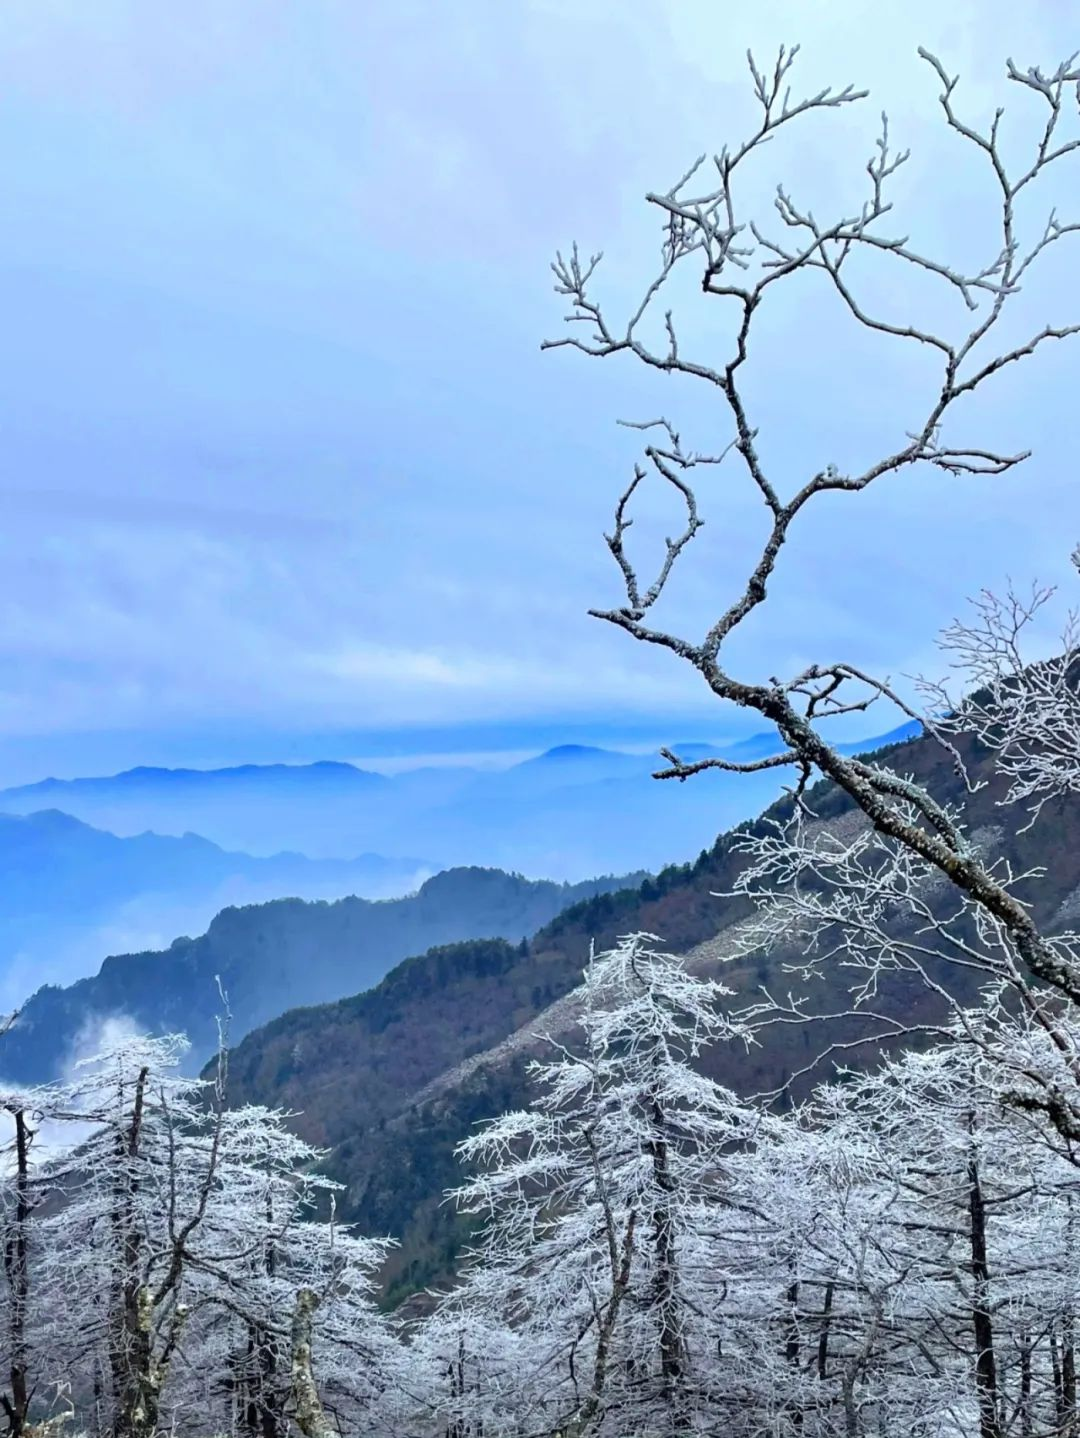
(283, 471)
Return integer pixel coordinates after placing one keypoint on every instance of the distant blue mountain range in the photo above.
(94, 866)
(568, 814)
(70, 894)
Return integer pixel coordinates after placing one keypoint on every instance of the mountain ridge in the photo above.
(391, 1126)
(71, 893)
(273, 956)
(568, 814)
(157, 773)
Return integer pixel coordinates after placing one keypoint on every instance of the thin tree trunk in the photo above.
(672, 1352)
(269, 1354)
(134, 1397)
(793, 1348)
(263, 1405)
(986, 1381)
(1067, 1404)
(16, 1265)
(1025, 1385)
(791, 1345)
(1068, 1378)
(590, 1409)
(823, 1336)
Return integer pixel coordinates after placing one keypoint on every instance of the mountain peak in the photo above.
(51, 820)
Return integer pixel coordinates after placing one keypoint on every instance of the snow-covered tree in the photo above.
(599, 1201)
(167, 1267)
(983, 1228)
(24, 1190)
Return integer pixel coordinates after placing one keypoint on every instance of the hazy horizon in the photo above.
(387, 752)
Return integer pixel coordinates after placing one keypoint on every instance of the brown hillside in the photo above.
(392, 1079)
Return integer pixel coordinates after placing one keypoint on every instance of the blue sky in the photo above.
(283, 472)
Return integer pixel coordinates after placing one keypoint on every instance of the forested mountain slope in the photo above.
(270, 957)
(390, 1080)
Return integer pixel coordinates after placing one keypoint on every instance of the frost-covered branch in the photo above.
(1026, 712)
(743, 262)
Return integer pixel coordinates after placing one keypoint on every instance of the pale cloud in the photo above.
(372, 663)
(506, 685)
(279, 439)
